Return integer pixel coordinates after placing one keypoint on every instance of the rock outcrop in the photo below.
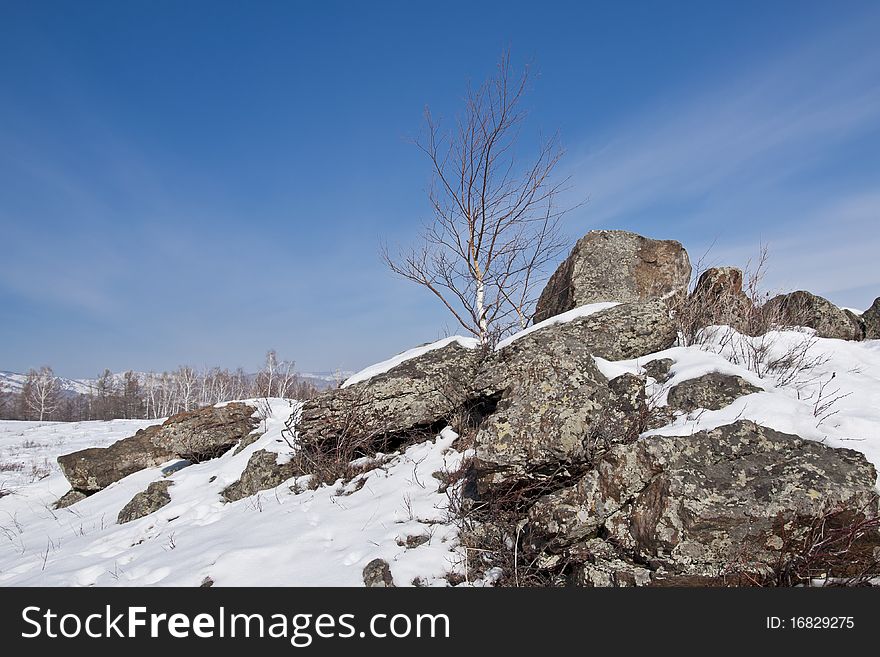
(871, 321)
(419, 395)
(696, 505)
(615, 265)
(146, 502)
(208, 432)
(805, 309)
(711, 391)
(550, 404)
(93, 469)
(193, 436)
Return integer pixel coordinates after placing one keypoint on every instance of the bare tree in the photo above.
(277, 378)
(41, 392)
(495, 223)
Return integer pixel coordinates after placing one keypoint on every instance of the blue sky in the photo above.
(197, 182)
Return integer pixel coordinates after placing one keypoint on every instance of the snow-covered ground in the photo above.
(276, 538)
(326, 536)
(28, 449)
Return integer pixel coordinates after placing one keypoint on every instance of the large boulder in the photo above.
(418, 395)
(146, 502)
(805, 309)
(615, 265)
(700, 504)
(93, 469)
(711, 391)
(550, 405)
(871, 320)
(207, 433)
(194, 436)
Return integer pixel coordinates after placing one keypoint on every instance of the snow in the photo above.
(580, 311)
(28, 449)
(276, 538)
(386, 365)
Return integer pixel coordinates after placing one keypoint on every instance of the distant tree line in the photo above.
(134, 395)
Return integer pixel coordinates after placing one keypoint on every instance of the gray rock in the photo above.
(146, 502)
(552, 406)
(262, 472)
(377, 574)
(419, 395)
(718, 299)
(615, 265)
(627, 331)
(806, 309)
(192, 436)
(660, 369)
(599, 564)
(93, 469)
(871, 320)
(207, 433)
(711, 391)
(697, 504)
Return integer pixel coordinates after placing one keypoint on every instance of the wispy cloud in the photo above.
(753, 157)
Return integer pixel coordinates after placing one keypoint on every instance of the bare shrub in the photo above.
(743, 327)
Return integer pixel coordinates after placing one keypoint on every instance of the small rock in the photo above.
(711, 391)
(659, 369)
(377, 574)
(70, 497)
(262, 472)
(146, 502)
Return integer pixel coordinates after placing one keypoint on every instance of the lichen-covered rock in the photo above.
(193, 436)
(93, 469)
(718, 299)
(599, 564)
(146, 502)
(262, 472)
(377, 574)
(696, 504)
(615, 265)
(711, 391)
(626, 331)
(418, 395)
(871, 321)
(206, 433)
(805, 309)
(553, 408)
(659, 369)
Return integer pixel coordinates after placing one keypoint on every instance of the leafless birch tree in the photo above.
(495, 219)
(41, 392)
